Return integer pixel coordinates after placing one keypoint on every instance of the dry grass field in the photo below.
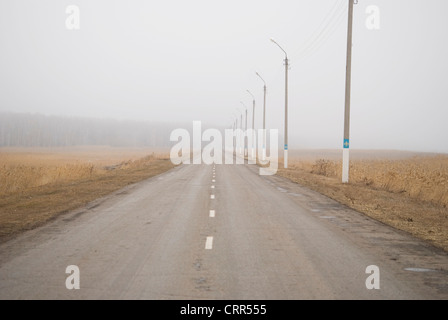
(422, 178)
(408, 191)
(38, 184)
(405, 190)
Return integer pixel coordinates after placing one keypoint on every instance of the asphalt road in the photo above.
(267, 238)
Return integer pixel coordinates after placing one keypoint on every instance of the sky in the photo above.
(180, 61)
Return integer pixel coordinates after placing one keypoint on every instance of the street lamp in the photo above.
(235, 130)
(235, 126)
(286, 104)
(245, 146)
(253, 124)
(264, 117)
(239, 135)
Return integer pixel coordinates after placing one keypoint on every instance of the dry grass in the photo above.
(23, 169)
(37, 185)
(410, 194)
(421, 178)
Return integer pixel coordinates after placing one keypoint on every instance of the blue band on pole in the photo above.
(286, 147)
(346, 143)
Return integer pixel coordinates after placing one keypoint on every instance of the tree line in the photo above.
(36, 130)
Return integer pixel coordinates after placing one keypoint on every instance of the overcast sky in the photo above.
(194, 60)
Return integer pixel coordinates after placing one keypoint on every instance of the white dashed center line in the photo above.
(209, 243)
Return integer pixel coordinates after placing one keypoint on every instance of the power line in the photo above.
(322, 34)
(328, 33)
(327, 27)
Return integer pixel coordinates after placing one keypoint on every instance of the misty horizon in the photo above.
(176, 62)
(49, 131)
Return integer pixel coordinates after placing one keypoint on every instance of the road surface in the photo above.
(266, 238)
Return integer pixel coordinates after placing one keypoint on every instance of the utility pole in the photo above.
(246, 152)
(346, 144)
(264, 117)
(253, 125)
(234, 137)
(245, 145)
(286, 113)
(242, 136)
(285, 157)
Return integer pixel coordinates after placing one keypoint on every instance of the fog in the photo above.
(180, 61)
